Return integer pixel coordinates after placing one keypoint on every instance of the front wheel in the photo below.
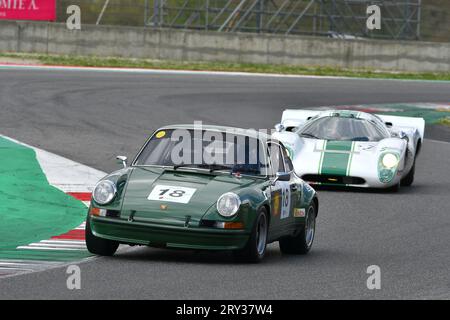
(394, 189)
(99, 246)
(302, 242)
(255, 248)
(409, 178)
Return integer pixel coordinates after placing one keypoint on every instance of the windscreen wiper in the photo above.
(215, 167)
(309, 135)
(211, 167)
(175, 167)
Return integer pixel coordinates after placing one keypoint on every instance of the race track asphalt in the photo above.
(90, 117)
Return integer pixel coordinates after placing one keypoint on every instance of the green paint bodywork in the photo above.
(142, 221)
(153, 226)
(336, 158)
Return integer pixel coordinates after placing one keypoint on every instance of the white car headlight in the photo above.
(389, 160)
(104, 192)
(228, 204)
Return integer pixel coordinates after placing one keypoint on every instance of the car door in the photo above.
(296, 187)
(281, 204)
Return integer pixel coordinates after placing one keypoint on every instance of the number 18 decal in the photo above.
(285, 199)
(171, 194)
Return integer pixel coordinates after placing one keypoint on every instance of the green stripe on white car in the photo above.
(336, 158)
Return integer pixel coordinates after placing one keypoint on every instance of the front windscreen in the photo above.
(342, 128)
(203, 149)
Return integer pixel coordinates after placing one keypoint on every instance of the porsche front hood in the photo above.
(170, 197)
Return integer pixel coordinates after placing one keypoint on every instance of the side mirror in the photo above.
(402, 135)
(122, 160)
(282, 176)
(291, 129)
(279, 127)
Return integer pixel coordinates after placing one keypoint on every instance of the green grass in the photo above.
(445, 121)
(91, 61)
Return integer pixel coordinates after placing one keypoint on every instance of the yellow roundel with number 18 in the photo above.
(160, 134)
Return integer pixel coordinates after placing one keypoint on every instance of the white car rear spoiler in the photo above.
(405, 123)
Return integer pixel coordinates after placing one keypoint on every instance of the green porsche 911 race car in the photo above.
(214, 188)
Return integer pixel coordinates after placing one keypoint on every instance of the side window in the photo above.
(287, 161)
(380, 127)
(276, 158)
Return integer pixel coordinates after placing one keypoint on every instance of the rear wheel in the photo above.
(409, 178)
(255, 248)
(302, 242)
(99, 246)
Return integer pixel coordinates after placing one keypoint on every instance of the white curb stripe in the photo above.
(50, 248)
(74, 242)
(62, 244)
(57, 245)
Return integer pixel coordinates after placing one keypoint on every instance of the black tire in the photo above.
(408, 180)
(302, 242)
(99, 246)
(394, 189)
(255, 249)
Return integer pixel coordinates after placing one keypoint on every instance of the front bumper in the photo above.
(168, 236)
(361, 179)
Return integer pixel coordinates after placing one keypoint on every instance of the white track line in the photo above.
(16, 267)
(13, 264)
(161, 71)
(191, 72)
(32, 262)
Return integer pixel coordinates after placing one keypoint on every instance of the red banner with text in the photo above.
(28, 10)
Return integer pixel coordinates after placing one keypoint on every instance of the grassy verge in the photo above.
(445, 121)
(89, 61)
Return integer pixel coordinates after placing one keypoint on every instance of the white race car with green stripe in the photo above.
(351, 148)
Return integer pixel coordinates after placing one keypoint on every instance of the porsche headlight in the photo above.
(228, 204)
(389, 160)
(104, 192)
